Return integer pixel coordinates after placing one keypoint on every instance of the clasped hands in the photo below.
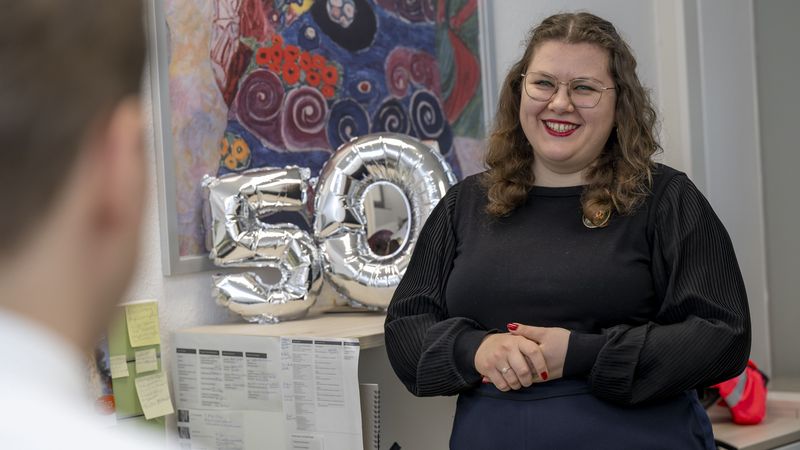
(523, 356)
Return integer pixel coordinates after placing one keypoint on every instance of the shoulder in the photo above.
(473, 182)
(677, 201)
(467, 192)
(466, 200)
(671, 186)
(664, 176)
(674, 197)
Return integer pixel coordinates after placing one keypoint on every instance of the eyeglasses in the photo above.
(583, 92)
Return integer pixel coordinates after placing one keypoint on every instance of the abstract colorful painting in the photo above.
(257, 83)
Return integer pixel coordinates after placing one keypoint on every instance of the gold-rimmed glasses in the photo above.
(583, 92)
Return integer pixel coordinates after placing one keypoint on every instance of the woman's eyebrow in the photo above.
(579, 77)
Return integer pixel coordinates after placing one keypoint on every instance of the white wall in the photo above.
(777, 35)
(730, 144)
(669, 49)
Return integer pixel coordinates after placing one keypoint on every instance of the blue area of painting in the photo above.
(369, 64)
(452, 160)
(364, 66)
(313, 159)
(347, 120)
(392, 116)
(361, 84)
(305, 41)
(263, 157)
(429, 120)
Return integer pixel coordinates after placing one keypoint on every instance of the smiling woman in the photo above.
(615, 280)
(619, 180)
(566, 138)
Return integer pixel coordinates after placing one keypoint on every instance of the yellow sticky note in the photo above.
(142, 321)
(146, 360)
(119, 366)
(153, 395)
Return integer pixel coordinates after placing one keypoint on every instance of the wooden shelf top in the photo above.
(773, 432)
(367, 327)
(780, 427)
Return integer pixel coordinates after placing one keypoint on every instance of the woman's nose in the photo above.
(561, 102)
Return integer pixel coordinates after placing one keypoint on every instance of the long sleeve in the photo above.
(431, 353)
(701, 334)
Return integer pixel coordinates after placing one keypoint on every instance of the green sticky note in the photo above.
(119, 366)
(142, 320)
(153, 394)
(146, 360)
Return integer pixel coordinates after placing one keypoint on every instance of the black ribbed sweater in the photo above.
(655, 300)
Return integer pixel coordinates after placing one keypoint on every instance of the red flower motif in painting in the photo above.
(305, 60)
(330, 75)
(291, 52)
(328, 91)
(291, 73)
(262, 56)
(318, 61)
(312, 78)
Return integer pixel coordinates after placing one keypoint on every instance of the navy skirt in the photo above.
(563, 414)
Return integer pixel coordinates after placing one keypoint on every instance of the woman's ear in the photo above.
(119, 165)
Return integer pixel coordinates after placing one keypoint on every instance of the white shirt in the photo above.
(44, 402)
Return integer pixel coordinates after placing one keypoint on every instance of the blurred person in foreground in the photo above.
(72, 186)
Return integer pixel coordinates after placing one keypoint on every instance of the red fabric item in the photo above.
(745, 395)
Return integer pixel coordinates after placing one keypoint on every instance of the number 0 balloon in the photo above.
(373, 196)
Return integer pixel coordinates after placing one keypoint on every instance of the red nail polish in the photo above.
(543, 375)
(512, 326)
(485, 380)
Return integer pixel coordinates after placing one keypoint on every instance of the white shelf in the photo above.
(366, 327)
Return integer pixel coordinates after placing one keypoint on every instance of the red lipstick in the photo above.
(570, 129)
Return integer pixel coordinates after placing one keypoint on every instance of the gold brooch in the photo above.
(601, 216)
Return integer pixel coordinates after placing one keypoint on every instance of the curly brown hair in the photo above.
(621, 177)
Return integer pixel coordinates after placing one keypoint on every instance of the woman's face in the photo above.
(566, 139)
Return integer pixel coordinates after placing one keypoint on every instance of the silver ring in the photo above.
(504, 370)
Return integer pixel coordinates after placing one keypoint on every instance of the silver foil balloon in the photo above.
(350, 261)
(292, 252)
(248, 295)
(236, 205)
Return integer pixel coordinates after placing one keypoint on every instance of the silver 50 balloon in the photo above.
(372, 198)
